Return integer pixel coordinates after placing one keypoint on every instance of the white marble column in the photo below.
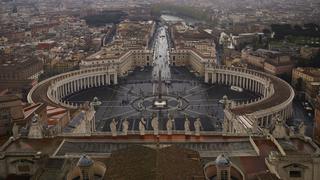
(69, 87)
(95, 81)
(223, 78)
(218, 78)
(242, 82)
(80, 84)
(236, 80)
(87, 82)
(115, 79)
(77, 85)
(99, 80)
(59, 92)
(206, 80)
(74, 86)
(214, 76)
(253, 85)
(64, 90)
(103, 80)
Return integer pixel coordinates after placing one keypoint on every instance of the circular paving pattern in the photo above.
(172, 103)
(134, 98)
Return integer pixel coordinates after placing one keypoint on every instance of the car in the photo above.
(308, 108)
(236, 88)
(305, 104)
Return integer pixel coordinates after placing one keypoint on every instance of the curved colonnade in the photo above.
(60, 86)
(276, 97)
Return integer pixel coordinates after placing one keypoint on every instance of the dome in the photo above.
(85, 161)
(222, 160)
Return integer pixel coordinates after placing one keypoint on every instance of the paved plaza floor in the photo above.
(201, 100)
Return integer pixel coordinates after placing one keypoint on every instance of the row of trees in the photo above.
(104, 18)
(307, 30)
(184, 11)
(313, 62)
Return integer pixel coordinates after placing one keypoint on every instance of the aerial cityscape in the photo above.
(160, 89)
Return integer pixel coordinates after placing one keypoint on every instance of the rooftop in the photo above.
(147, 163)
(169, 157)
(282, 93)
(310, 71)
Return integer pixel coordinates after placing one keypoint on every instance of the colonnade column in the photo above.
(206, 77)
(95, 81)
(115, 78)
(236, 80)
(80, 84)
(214, 77)
(103, 80)
(64, 90)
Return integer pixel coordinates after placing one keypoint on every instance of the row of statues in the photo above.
(113, 127)
(155, 126)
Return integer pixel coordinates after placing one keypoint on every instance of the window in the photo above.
(5, 114)
(23, 168)
(224, 174)
(85, 175)
(295, 173)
